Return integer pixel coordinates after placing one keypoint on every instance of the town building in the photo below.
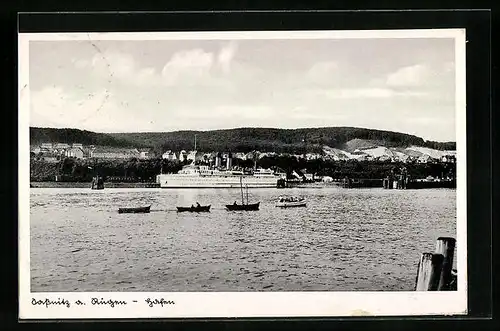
(144, 154)
(114, 153)
(327, 179)
(74, 152)
(424, 159)
(169, 155)
(241, 156)
(182, 156)
(448, 159)
(309, 177)
(61, 146)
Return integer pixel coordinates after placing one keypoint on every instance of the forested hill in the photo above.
(241, 139)
(69, 136)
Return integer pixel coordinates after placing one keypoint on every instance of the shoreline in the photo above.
(88, 184)
(421, 185)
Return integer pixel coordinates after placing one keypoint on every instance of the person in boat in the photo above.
(192, 206)
(198, 205)
(234, 203)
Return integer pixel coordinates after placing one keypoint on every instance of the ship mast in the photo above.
(241, 186)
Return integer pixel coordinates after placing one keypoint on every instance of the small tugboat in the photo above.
(194, 209)
(244, 206)
(134, 210)
(287, 202)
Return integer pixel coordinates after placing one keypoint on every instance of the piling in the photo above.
(446, 247)
(429, 272)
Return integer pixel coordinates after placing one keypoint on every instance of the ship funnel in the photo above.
(229, 162)
(218, 160)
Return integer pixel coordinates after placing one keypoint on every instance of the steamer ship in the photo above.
(203, 176)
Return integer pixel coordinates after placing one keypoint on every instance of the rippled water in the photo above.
(345, 239)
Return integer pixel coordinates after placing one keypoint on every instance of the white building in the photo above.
(327, 179)
(61, 146)
(309, 176)
(182, 156)
(74, 152)
(144, 154)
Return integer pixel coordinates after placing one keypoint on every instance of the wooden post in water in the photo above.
(446, 247)
(429, 272)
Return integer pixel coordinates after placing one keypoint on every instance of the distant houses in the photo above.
(194, 156)
(169, 155)
(114, 153)
(59, 150)
(56, 151)
(425, 159)
(448, 159)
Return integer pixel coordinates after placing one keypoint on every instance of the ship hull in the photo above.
(180, 181)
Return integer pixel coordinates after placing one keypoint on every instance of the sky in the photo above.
(402, 85)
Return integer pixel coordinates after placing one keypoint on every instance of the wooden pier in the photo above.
(435, 271)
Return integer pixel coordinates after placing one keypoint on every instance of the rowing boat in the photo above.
(291, 202)
(194, 209)
(134, 210)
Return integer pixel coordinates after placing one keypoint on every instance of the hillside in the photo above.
(69, 136)
(244, 139)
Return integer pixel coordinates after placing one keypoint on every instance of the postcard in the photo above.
(242, 174)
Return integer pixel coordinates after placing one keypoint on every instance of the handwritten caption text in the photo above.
(99, 302)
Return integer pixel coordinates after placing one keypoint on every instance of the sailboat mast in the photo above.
(247, 193)
(241, 186)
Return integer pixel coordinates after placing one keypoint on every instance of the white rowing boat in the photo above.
(291, 202)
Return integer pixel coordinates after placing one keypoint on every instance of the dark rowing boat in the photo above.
(246, 207)
(194, 209)
(134, 210)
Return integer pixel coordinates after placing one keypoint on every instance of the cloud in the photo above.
(323, 72)
(226, 55)
(80, 63)
(411, 76)
(187, 66)
(99, 111)
(359, 93)
(114, 64)
(147, 76)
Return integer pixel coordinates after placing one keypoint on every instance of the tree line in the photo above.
(137, 170)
